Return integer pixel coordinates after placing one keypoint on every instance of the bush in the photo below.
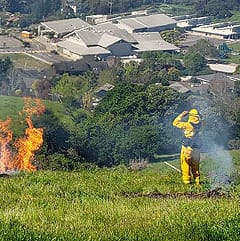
(57, 161)
(234, 144)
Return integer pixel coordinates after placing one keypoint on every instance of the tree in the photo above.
(13, 5)
(5, 65)
(42, 88)
(172, 36)
(131, 71)
(91, 80)
(194, 62)
(216, 8)
(206, 48)
(65, 88)
(139, 142)
(173, 74)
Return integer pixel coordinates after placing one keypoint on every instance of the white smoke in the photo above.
(214, 135)
(220, 167)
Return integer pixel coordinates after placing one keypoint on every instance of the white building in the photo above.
(218, 30)
(189, 23)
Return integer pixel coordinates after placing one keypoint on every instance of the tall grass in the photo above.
(92, 205)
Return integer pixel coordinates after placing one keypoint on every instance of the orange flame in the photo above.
(26, 146)
(33, 107)
(5, 139)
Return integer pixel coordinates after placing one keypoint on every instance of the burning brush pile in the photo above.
(17, 155)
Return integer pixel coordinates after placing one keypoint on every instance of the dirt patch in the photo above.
(215, 193)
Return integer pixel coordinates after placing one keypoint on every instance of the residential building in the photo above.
(71, 67)
(179, 87)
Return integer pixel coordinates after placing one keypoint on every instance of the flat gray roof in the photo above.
(132, 23)
(105, 26)
(179, 87)
(104, 39)
(156, 20)
(113, 29)
(154, 45)
(107, 40)
(147, 36)
(148, 21)
(88, 37)
(82, 50)
(66, 25)
(152, 42)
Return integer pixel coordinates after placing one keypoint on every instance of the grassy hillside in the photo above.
(25, 62)
(11, 107)
(118, 204)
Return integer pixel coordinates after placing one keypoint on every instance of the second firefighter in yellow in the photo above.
(190, 153)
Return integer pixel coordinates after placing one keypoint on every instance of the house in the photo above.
(60, 28)
(102, 91)
(224, 68)
(79, 67)
(98, 66)
(71, 67)
(207, 79)
(150, 23)
(179, 87)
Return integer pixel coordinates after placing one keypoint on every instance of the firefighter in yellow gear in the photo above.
(190, 153)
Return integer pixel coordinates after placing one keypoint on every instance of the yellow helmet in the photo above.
(193, 112)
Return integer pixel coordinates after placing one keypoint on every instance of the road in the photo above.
(191, 39)
(37, 50)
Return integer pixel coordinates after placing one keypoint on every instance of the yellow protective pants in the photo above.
(190, 158)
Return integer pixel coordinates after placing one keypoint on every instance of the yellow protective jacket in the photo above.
(190, 129)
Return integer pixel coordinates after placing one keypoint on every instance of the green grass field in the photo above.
(11, 107)
(25, 62)
(176, 9)
(116, 204)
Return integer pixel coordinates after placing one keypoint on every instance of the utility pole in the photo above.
(110, 4)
